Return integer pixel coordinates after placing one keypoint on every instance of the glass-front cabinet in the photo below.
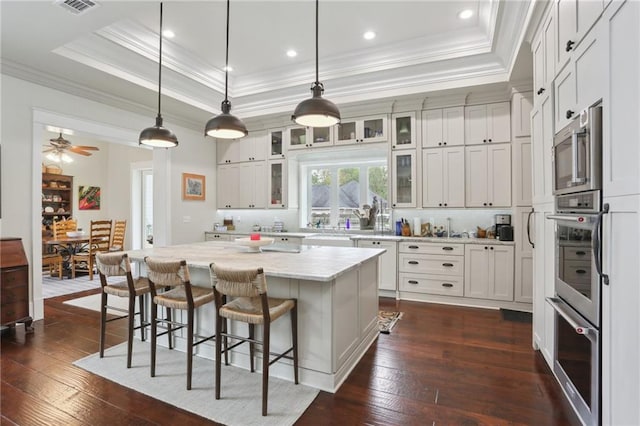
(358, 130)
(403, 175)
(309, 137)
(276, 144)
(403, 130)
(277, 184)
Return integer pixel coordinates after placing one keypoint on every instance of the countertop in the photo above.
(312, 263)
(355, 237)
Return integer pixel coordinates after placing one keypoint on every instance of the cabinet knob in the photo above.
(445, 204)
(491, 248)
(448, 265)
(393, 146)
(413, 262)
(393, 205)
(448, 285)
(540, 91)
(490, 140)
(412, 282)
(486, 248)
(484, 141)
(569, 113)
(413, 247)
(444, 143)
(447, 248)
(484, 204)
(580, 253)
(580, 271)
(569, 46)
(490, 204)
(439, 204)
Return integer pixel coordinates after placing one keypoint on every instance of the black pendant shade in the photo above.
(226, 125)
(158, 136)
(316, 111)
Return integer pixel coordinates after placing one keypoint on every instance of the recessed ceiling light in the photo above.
(465, 14)
(369, 35)
(292, 53)
(228, 68)
(168, 34)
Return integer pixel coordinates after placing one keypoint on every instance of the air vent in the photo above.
(77, 7)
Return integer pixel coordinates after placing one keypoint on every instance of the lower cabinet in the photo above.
(388, 264)
(431, 268)
(214, 236)
(488, 271)
(286, 240)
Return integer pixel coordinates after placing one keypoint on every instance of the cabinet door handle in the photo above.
(447, 248)
(412, 282)
(569, 114)
(413, 262)
(414, 247)
(540, 91)
(448, 285)
(529, 228)
(444, 143)
(490, 248)
(569, 46)
(580, 271)
(448, 265)
(580, 253)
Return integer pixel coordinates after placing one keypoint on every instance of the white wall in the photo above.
(26, 106)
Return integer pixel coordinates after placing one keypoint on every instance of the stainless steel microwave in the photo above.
(577, 154)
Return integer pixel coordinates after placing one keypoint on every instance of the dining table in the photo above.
(67, 247)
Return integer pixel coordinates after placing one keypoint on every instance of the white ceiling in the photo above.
(110, 52)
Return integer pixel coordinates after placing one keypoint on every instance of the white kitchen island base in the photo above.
(337, 305)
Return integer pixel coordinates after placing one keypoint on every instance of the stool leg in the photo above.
(103, 321)
(294, 339)
(154, 336)
(169, 328)
(252, 335)
(265, 368)
(132, 308)
(142, 317)
(189, 346)
(218, 353)
(226, 346)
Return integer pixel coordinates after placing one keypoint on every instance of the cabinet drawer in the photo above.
(13, 311)
(427, 264)
(577, 271)
(15, 294)
(432, 248)
(434, 284)
(577, 253)
(15, 277)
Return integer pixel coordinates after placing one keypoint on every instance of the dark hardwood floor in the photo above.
(440, 365)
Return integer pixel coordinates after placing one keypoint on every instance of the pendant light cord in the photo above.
(226, 64)
(160, 65)
(317, 79)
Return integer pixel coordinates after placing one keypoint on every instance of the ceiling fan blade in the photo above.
(49, 150)
(79, 151)
(86, 147)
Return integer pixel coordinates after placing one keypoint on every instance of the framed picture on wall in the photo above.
(89, 198)
(193, 187)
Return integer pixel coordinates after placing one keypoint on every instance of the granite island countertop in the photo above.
(311, 263)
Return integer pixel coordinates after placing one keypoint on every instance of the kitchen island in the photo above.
(337, 292)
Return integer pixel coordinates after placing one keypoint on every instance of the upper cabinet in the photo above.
(250, 148)
(490, 123)
(521, 105)
(308, 137)
(403, 176)
(277, 147)
(403, 130)
(443, 177)
(575, 18)
(488, 175)
(358, 130)
(443, 127)
(544, 59)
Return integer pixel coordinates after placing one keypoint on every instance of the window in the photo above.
(339, 192)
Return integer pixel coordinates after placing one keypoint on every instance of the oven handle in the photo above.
(529, 228)
(574, 152)
(584, 329)
(596, 239)
(572, 218)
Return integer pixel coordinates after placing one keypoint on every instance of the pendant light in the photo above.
(316, 111)
(226, 125)
(158, 136)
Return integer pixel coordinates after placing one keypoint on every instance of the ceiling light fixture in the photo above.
(369, 35)
(226, 125)
(158, 136)
(465, 14)
(292, 53)
(316, 111)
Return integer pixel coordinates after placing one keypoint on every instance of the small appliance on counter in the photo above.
(504, 230)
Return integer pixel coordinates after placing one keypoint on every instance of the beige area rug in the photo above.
(241, 399)
(93, 302)
(387, 320)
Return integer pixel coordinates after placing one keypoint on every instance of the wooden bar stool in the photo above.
(173, 277)
(252, 306)
(118, 264)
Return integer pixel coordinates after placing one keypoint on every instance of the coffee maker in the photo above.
(504, 230)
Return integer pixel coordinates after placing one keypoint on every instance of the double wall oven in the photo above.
(577, 168)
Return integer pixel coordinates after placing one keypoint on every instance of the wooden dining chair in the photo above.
(251, 305)
(61, 227)
(117, 239)
(99, 240)
(55, 261)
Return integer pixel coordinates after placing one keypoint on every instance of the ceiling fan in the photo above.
(60, 146)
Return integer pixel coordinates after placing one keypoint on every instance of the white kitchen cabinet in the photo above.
(522, 173)
(575, 19)
(403, 130)
(284, 239)
(228, 185)
(242, 185)
(523, 230)
(488, 175)
(387, 266)
(214, 236)
(403, 178)
(521, 106)
(278, 184)
(443, 177)
(277, 147)
(542, 146)
(544, 59)
(443, 127)
(490, 123)
(488, 271)
(250, 148)
(298, 137)
(431, 268)
(577, 86)
(362, 130)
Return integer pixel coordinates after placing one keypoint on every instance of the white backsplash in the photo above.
(244, 220)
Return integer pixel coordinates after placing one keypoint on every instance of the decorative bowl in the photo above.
(254, 245)
(75, 234)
